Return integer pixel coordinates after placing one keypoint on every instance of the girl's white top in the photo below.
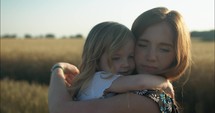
(96, 87)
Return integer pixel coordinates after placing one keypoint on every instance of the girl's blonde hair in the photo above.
(181, 39)
(104, 37)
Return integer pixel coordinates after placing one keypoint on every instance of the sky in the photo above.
(72, 17)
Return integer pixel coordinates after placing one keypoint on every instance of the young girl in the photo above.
(108, 54)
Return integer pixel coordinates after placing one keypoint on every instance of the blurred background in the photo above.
(37, 34)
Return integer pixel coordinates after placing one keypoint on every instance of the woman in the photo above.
(162, 48)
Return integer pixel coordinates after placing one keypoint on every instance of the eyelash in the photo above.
(142, 45)
(131, 56)
(165, 50)
(162, 49)
(115, 58)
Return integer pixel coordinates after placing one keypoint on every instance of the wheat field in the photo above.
(22, 97)
(25, 74)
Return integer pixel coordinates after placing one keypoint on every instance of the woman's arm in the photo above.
(60, 101)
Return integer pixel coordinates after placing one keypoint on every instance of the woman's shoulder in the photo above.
(165, 102)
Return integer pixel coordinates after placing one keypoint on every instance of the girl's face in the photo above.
(122, 60)
(154, 51)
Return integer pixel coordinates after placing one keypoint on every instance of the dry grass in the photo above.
(198, 92)
(21, 97)
(40, 49)
(32, 59)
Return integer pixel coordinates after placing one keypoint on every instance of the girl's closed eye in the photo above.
(131, 56)
(115, 58)
(142, 45)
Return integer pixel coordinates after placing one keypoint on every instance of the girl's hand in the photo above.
(66, 71)
(169, 89)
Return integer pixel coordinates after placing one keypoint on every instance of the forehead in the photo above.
(158, 33)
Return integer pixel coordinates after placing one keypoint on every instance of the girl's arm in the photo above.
(140, 82)
(59, 101)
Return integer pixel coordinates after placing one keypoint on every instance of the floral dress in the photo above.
(165, 102)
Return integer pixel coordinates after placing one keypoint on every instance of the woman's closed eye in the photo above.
(165, 49)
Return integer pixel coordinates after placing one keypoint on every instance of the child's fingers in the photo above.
(169, 91)
(69, 80)
(73, 70)
(67, 84)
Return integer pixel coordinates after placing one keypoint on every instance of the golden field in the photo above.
(21, 97)
(31, 60)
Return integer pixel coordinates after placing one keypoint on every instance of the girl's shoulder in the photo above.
(106, 75)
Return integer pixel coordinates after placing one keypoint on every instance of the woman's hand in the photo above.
(68, 72)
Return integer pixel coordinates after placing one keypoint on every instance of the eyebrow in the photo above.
(143, 40)
(161, 43)
(166, 44)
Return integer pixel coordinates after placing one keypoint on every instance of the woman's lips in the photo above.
(150, 69)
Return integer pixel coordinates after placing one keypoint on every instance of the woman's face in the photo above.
(154, 51)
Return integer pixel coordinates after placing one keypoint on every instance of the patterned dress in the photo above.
(165, 102)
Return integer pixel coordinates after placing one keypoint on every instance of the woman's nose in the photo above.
(151, 55)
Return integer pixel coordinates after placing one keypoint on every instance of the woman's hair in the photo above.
(181, 35)
(105, 37)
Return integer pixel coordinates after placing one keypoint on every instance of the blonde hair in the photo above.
(181, 39)
(104, 37)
